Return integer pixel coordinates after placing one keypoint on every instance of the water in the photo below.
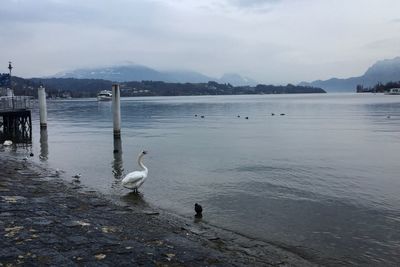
(323, 180)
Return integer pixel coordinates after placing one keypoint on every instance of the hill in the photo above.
(71, 87)
(139, 73)
(383, 71)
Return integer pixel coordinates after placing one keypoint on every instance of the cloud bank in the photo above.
(272, 41)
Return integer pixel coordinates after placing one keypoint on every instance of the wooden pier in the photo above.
(15, 119)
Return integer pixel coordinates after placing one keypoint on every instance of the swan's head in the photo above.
(144, 152)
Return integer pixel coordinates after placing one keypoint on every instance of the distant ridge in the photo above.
(382, 71)
(127, 73)
(73, 87)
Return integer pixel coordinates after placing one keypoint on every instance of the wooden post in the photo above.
(42, 107)
(116, 110)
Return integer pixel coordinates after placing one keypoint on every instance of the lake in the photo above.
(322, 180)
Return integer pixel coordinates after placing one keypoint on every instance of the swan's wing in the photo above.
(132, 178)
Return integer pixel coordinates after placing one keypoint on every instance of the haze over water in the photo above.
(323, 180)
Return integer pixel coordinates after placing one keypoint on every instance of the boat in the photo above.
(393, 91)
(104, 95)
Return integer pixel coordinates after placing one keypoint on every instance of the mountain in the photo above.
(72, 87)
(142, 73)
(383, 71)
(236, 79)
(116, 74)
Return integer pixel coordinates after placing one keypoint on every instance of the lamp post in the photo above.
(11, 88)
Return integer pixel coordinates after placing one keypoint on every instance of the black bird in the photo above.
(31, 154)
(247, 118)
(282, 114)
(198, 209)
(238, 116)
(202, 116)
(272, 114)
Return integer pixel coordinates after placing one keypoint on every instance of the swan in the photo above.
(135, 179)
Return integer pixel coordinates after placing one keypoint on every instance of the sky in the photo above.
(270, 41)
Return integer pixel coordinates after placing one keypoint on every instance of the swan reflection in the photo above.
(44, 145)
(134, 199)
(117, 164)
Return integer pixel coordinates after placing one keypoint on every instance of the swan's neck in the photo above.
(144, 168)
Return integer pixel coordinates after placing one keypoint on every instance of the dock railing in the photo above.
(9, 103)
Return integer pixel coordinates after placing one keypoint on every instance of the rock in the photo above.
(151, 213)
(100, 256)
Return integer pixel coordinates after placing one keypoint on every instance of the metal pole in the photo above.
(42, 107)
(116, 110)
(11, 87)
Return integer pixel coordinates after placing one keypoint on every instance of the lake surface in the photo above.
(323, 180)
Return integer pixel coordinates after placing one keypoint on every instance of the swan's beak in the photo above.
(144, 152)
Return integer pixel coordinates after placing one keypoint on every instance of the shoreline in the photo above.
(47, 221)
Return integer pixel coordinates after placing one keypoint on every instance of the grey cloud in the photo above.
(253, 3)
(123, 15)
(42, 11)
(388, 43)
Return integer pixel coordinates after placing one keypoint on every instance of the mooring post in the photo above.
(116, 110)
(42, 107)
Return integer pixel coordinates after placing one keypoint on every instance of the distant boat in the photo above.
(393, 91)
(104, 96)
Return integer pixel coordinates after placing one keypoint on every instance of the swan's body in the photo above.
(135, 179)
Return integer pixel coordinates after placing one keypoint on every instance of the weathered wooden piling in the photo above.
(42, 107)
(16, 125)
(116, 110)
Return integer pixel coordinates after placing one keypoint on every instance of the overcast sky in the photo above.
(271, 41)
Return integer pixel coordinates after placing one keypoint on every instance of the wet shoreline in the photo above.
(46, 221)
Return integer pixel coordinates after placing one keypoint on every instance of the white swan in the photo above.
(135, 179)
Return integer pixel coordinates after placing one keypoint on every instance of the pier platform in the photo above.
(15, 119)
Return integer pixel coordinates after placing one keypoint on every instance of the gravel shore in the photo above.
(46, 221)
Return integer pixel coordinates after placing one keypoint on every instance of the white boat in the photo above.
(104, 96)
(393, 91)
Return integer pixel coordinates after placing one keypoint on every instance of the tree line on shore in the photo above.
(71, 87)
(378, 88)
